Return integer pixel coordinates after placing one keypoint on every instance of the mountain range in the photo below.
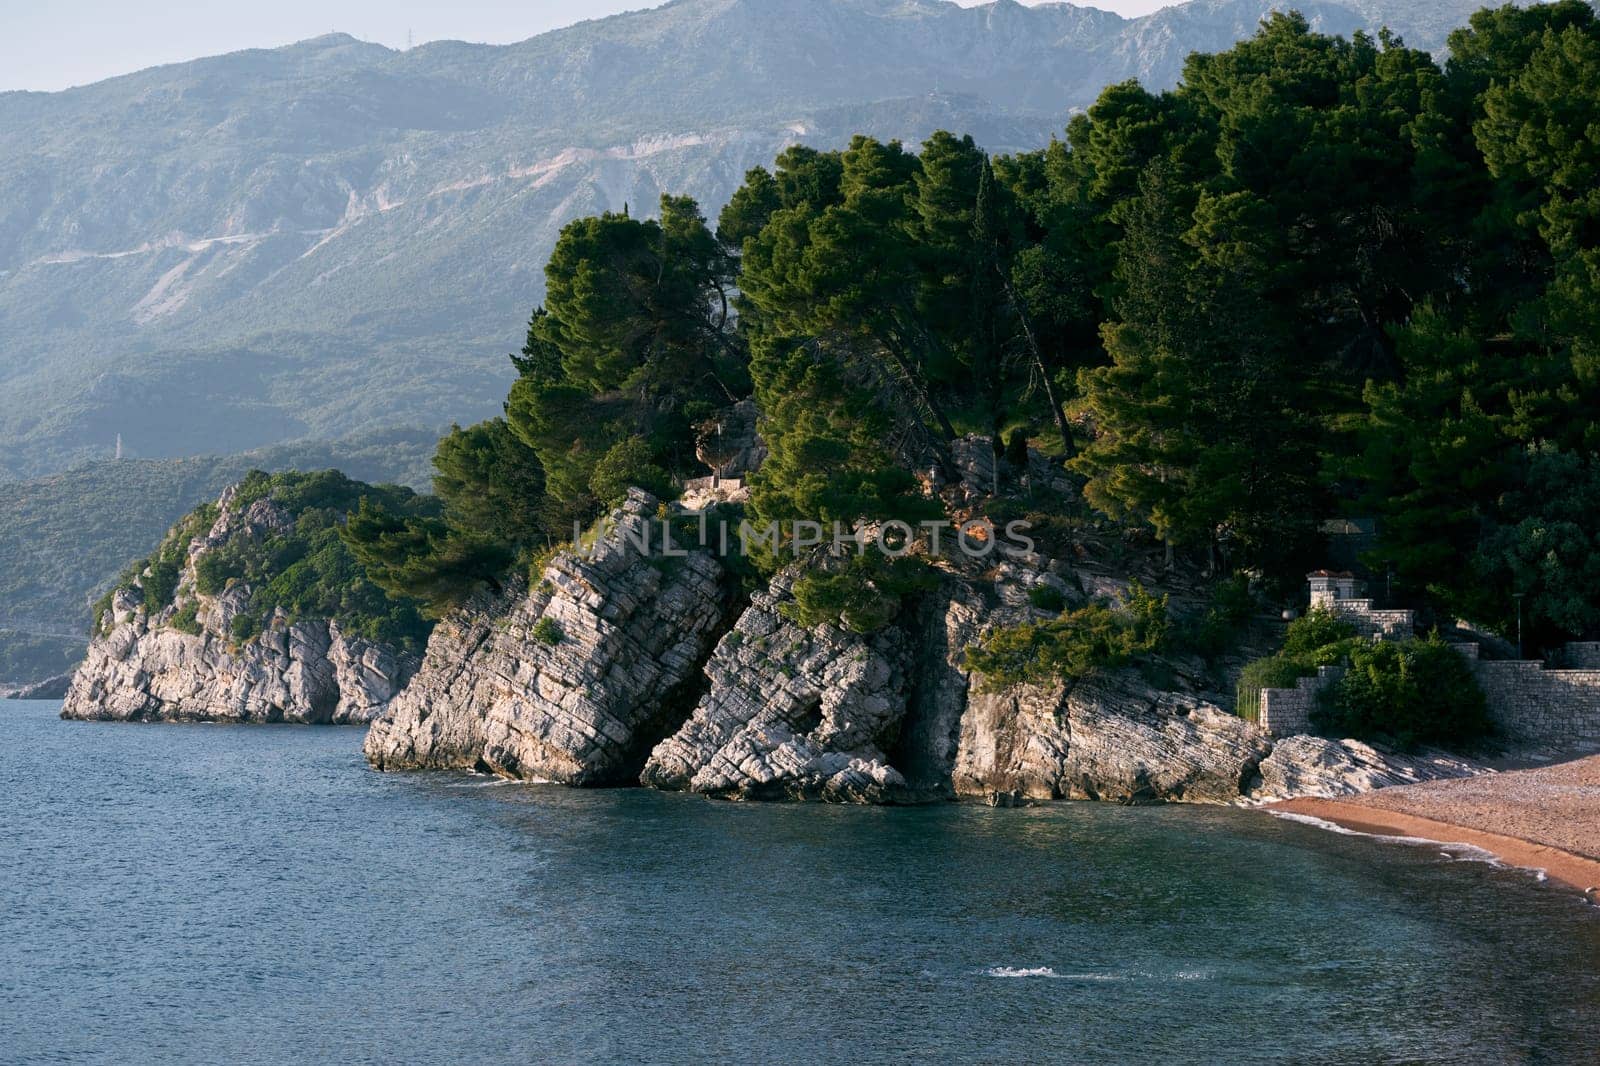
(334, 237)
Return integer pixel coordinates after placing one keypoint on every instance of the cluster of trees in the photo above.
(1321, 276)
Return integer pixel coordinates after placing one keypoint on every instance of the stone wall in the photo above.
(1536, 707)
(1384, 625)
(1581, 655)
(1533, 707)
(1286, 712)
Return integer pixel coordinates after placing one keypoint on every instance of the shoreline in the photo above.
(1556, 864)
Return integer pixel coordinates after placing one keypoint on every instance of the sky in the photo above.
(54, 44)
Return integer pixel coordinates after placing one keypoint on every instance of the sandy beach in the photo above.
(1546, 819)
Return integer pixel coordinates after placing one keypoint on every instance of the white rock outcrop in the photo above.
(572, 680)
(141, 667)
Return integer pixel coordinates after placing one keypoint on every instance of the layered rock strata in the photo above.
(571, 680)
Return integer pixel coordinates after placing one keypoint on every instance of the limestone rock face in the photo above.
(1112, 737)
(145, 668)
(826, 714)
(791, 713)
(308, 672)
(1315, 766)
(571, 680)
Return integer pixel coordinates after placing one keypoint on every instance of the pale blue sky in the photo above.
(53, 44)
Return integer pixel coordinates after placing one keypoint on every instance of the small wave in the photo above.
(1049, 972)
(1451, 851)
(1335, 827)
(1015, 971)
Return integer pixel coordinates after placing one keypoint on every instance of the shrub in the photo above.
(244, 626)
(548, 631)
(1409, 693)
(1047, 598)
(628, 464)
(159, 584)
(186, 619)
(1318, 638)
(1074, 645)
(1314, 631)
(863, 594)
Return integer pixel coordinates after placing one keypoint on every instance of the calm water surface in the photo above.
(254, 894)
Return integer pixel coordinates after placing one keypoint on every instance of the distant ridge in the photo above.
(335, 237)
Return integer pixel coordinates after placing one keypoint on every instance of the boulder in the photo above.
(1110, 737)
(1317, 766)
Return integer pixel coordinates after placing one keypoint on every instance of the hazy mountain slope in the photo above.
(319, 239)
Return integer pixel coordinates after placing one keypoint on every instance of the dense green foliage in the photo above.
(1317, 638)
(1074, 645)
(304, 571)
(464, 160)
(1322, 275)
(1409, 693)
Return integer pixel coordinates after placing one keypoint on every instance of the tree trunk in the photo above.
(1056, 410)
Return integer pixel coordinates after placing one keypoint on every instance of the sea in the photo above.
(256, 894)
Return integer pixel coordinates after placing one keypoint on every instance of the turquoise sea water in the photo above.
(255, 894)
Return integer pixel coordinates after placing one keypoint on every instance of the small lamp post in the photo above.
(1518, 597)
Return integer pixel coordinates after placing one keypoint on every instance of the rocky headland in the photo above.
(187, 660)
(615, 664)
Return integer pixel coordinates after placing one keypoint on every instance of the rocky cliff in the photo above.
(185, 660)
(792, 713)
(571, 680)
(621, 666)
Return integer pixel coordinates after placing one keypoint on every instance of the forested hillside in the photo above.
(1322, 276)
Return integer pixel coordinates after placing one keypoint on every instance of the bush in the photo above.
(1074, 645)
(245, 626)
(186, 620)
(1409, 693)
(548, 631)
(1047, 598)
(863, 594)
(628, 464)
(159, 584)
(1314, 631)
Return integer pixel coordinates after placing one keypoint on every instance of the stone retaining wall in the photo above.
(1582, 655)
(1386, 625)
(1286, 712)
(1543, 708)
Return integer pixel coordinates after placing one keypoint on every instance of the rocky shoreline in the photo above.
(652, 681)
(618, 666)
